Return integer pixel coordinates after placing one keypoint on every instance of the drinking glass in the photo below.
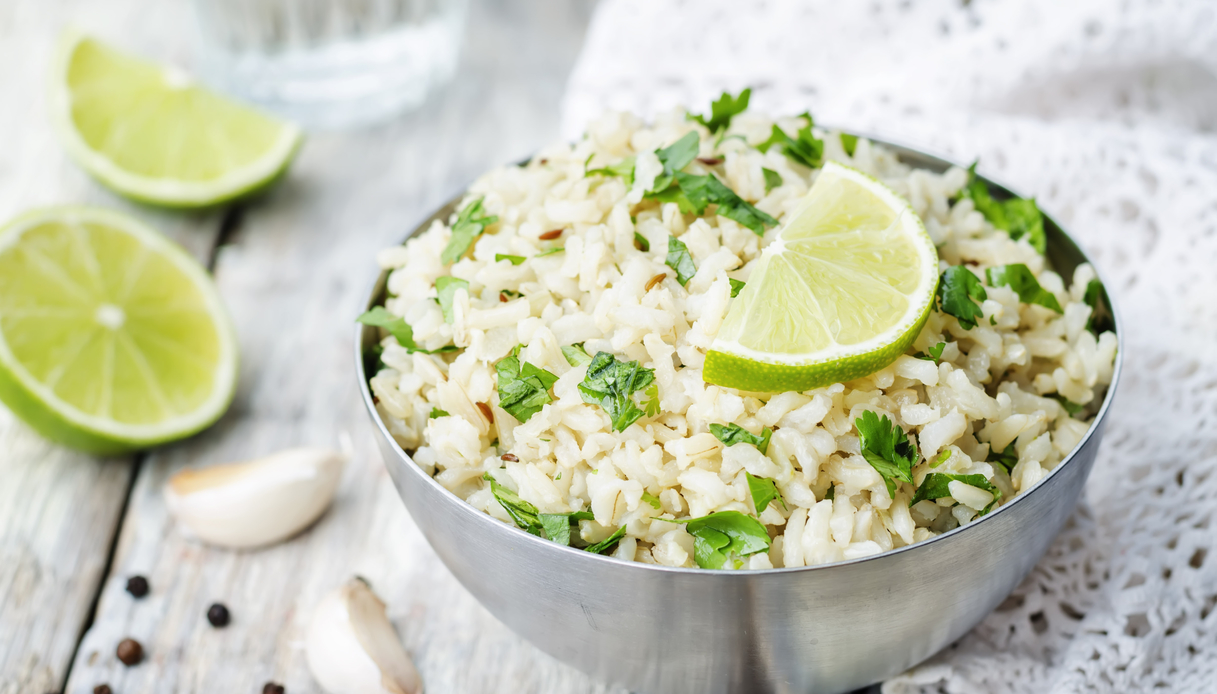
(331, 63)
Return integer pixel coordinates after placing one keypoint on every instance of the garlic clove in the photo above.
(255, 503)
(353, 649)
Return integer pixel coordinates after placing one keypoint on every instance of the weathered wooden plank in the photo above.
(59, 510)
(294, 275)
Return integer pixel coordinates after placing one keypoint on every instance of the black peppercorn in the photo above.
(130, 652)
(137, 586)
(218, 615)
(272, 688)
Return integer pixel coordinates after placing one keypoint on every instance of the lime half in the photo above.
(149, 132)
(111, 337)
(843, 290)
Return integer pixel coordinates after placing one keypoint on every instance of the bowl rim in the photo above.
(490, 524)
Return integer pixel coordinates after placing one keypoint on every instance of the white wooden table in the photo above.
(293, 268)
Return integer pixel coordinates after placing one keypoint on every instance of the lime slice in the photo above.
(841, 292)
(111, 337)
(150, 133)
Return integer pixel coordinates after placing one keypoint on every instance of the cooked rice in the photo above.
(988, 391)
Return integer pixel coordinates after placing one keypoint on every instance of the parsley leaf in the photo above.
(576, 356)
(651, 405)
(1070, 406)
(437, 412)
(723, 110)
(469, 225)
(942, 458)
(849, 143)
(399, 329)
(935, 353)
(610, 384)
(887, 449)
(1007, 458)
(607, 544)
(700, 191)
(652, 500)
(446, 288)
(558, 525)
(736, 287)
(773, 179)
(959, 294)
(804, 148)
(1018, 217)
(513, 259)
(1100, 308)
(763, 491)
(553, 526)
(623, 169)
(1020, 278)
(675, 157)
(550, 251)
(731, 434)
(641, 242)
(724, 535)
(523, 388)
(936, 485)
(680, 261)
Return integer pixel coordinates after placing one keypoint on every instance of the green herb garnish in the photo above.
(576, 356)
(942, 458)
(763, 491)
(611, 384)
(1095, 297)
(935, 353)
(641, 242)
(1007, 458)
(1018, 217)
(680, 260)
(523, 388)
(652, 500)
(804, 148)
(936, 485)
(773, 179)
(437, 412)
(551, 251)
(736, 287)
(553, 526)
(607, 544)
(398, 327)
(445, 288)
(1020, 278)
(469, 225)
(849, 143)
(513, 259)
(694, 193)
(959, 294)
(887, 449)
(731, 434)
(725, 535)
(623, 169)
(650, 406)
(723, 110)
(1070, 406)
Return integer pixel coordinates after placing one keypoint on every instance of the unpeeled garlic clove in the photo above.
(258, 502)
(353, 649)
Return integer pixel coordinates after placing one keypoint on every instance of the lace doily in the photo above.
(1105, 112)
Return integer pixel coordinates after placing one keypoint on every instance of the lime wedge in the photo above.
(111, 337)
(843, 290)
(149, 132)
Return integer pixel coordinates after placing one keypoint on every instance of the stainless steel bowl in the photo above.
(829, 628)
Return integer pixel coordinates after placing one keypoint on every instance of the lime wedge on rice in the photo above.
(112, 338)
(843, 290)
(149, 132)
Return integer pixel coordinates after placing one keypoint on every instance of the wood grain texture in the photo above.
(295, 274)
(60, 510)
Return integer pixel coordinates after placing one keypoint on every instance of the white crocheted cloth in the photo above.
(1105, 112)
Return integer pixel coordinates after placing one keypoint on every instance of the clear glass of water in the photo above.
(331, 63)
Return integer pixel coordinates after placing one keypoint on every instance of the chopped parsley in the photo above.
(523, 388)
(623, 169)
(804, 148)
(887, 449)
(513, 259)
(849, 143)
(959, 294)
(763, 491)
(1070, 406)
(736, 287)
(1020, 278)
(942, 458)
(652, 500)
(773, 179)
(641, 242)
(437, 412)
(576, 356)
(831, 494)
(694, 193)
(1095, 297)
(936, 485)
(731, 434)
(445, 288)
(551, 251)
(611, 384)
(935, 353)
(723, 536)
(469, 225)
(674, 158)
(1018, 217)
(723, 110)
(650, 406)
(398, 327)
(607, 544)
(679, 260)
(553, 526)
(1007, 458)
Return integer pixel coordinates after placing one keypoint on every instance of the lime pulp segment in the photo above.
(111, 337)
